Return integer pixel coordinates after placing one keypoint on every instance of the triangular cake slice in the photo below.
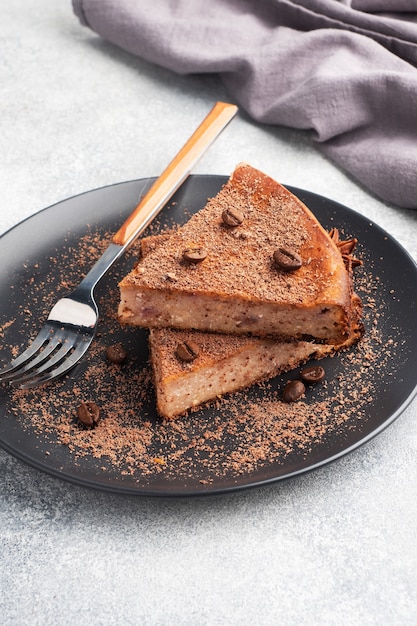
(218, 363)
(223, 364)
(272, 270)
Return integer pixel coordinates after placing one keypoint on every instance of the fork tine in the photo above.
(62, 344)
(38, 363)
(68, 363)
(53, 344)
(35, 368)
(26, 356)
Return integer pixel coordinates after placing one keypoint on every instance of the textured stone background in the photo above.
(336, 546)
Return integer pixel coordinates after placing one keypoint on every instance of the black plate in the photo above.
(42, 253)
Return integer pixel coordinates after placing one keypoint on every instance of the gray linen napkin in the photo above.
(344, 69)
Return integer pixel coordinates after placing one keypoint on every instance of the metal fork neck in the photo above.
(107, 259)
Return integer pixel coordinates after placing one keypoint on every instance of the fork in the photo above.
(72, 321)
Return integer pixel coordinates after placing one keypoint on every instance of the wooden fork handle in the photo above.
(175, 174)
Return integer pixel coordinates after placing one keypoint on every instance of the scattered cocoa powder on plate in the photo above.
(235, 435)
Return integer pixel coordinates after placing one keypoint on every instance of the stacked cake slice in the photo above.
(250, 286)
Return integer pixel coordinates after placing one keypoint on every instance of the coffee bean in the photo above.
(116, 354)
(186, 351)
(293, 391)
(287, 260)
(194, 255)
(312, 374)
(88, 413)
(232, 217)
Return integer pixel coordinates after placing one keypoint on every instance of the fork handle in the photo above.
(175, 173)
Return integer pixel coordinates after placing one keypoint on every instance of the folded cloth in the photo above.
(381, 6)
(348, 75)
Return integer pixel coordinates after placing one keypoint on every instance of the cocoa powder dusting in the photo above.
(266, 207)
(238, 434)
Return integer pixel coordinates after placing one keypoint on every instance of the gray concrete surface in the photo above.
(336, 546)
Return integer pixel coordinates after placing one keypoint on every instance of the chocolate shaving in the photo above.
(346, 248)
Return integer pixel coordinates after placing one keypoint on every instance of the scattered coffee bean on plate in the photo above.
(312, 374)
(88, 413)
(293, 391)
(116, 353)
